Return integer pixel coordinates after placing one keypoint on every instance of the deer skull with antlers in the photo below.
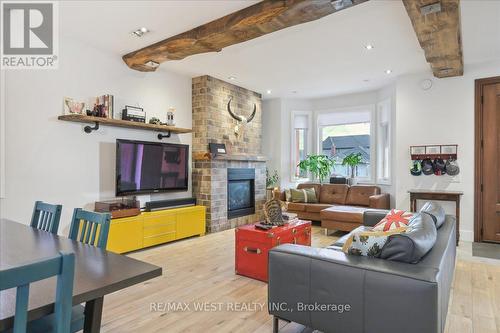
(242, 120)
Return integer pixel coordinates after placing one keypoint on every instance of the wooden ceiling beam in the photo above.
(257, 20)
(439, 34)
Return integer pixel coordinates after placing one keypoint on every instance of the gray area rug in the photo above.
(486, 250)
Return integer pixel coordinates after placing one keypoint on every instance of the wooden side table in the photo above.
(437, 195)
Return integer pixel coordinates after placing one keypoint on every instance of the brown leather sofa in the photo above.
(339, 206)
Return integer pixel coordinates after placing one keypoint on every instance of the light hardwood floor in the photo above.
(200, 270)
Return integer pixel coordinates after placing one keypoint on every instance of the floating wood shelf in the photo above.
(123, 123)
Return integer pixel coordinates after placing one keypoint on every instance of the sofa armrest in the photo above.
(380, 201)
(358, 292)
(373, 216)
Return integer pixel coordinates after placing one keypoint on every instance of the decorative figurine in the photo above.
(170, 116)
(273, 212)
(155, 121)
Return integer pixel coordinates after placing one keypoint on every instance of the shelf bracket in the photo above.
(88, 129)
(162, 136)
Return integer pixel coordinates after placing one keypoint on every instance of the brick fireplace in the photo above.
(231, 186)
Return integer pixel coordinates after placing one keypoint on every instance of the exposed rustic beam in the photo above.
(439, 34)
(257, 20)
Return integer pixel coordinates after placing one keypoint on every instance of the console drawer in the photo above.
(159, 238)
(159, 228)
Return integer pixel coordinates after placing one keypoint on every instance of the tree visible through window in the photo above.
(338, 141)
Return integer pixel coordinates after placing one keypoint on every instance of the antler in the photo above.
(240, 118)
(231, 112)
(253, 113)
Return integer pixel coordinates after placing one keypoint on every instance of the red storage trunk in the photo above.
(252, 245)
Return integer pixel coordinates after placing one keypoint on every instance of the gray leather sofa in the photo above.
(361, 294)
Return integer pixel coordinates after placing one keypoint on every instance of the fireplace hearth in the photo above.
(240, 192)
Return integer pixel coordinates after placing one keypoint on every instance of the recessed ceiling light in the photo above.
(341, 4)
(140, 32)
(232, 78)
(369, 46)
(152, 64)
(388, 71)
(268, 92)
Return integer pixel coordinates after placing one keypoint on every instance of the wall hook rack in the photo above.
(162, 136)
(88, 129)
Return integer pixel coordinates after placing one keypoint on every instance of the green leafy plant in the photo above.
(319, 165)
(352, 160)
(272, 179)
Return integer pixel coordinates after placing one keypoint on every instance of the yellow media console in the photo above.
(153, 228)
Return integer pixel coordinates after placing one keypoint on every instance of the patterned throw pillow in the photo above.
(368, 243)
(393, 220)
(304, 195)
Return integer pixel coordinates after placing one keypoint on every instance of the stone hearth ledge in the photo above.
(229, 157)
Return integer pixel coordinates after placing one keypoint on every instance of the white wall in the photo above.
(271, 138)
(55, 161)
(444, 114)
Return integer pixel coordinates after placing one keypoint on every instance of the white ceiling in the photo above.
(320, 58)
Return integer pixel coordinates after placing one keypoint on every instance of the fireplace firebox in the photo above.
(240, 192)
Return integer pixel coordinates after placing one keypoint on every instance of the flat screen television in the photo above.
(150, 167)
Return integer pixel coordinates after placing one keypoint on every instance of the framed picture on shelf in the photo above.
(433, 150)
(449, 149)
(73, 107)
(417, 150)
(217, 149)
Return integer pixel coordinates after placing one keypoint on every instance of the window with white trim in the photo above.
(346, 132)
(300, 143)
(384, 142)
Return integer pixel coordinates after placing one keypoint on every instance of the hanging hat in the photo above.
(416, 168)
(427, 167)
(439, 167)
(452, 167)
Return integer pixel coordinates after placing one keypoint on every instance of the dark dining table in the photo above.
(97, 273)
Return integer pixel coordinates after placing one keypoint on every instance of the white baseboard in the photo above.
(466, 235)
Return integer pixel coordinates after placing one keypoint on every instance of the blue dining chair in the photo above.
(46, 217)
(64, 318)
(90, 227)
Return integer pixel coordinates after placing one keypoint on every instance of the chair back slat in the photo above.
(62, 266)
(46, 217)
(90, 227)
(95, 227)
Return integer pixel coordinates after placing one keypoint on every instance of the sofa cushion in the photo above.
(315, 186)
(344, 214)
(369, 243)
(412, 245)
(394, 219)
(339, 243)
(333, 194)
(296, 207)
(360, 195)
(316, 207)
(435, 211)
(305, 195)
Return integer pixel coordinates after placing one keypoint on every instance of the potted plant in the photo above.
(272, 180)
(352, 160)
(320, 166)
